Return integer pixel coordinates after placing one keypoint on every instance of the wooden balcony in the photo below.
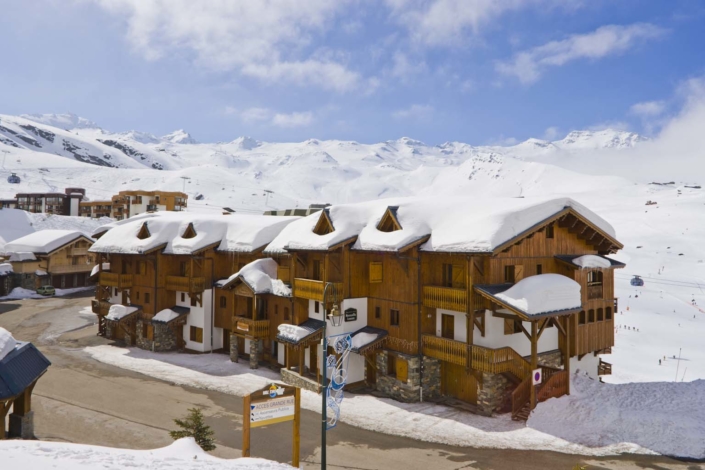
(192, 285)
(595, 336)
(594, 292)
(79, 251)
(121, 281)
(444, 349)
(100, 307)
(70, 268)
(445, 297)
(604, 368)
(313, 290)
(257, 329)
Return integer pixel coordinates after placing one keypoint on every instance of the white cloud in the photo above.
(648, 108)
(255, 114)
(528, 65)
(551, 133)
(262, 39)
(293, 119)
(415, 111)
(404, 68)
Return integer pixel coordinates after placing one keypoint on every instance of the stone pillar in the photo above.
(431, 379)
(255, 349)
(494, 394)
(22, 426)
(233, 348)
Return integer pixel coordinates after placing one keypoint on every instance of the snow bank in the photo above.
(543, 293)
(293, 332)
(454, 224)
(592, 261)
(5, 268)
(23, 256)
(183, 454)
(40, 272)
(7, 343)
(19, 293)
(261, 276)
(231, 233)
(165, 316)
(118, 312)
(666, 417)
(43, 241)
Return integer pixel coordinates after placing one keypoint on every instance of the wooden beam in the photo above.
(534, 359)
(508, 316)
(543, 326)
(559, 326)
(526, 333)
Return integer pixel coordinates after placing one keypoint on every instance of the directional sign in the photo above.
(274, 410)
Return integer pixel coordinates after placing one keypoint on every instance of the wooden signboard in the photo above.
(272, 404)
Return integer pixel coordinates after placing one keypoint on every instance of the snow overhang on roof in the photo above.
(260, 276)
(368, 339)
(536, 297)
(589, 261)
(453, 225)
(45, 242)
(169, 315)
(300, 334)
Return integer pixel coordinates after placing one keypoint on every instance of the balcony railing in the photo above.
(604, 368)
(192, 285)
(69, 268)
(100, 307)
(312, 290)
(257, 329)
(594, 292)
(444, 349)
(445, 297)
(79, 251)
(121, 281)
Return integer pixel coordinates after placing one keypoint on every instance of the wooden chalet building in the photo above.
(462, 299)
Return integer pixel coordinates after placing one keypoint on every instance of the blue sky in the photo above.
(476, 71)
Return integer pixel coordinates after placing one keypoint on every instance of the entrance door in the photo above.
(226, 341)
(313, 360)
(448, 326)
(458, 383)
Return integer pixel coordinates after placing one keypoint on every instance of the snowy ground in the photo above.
(422, 421)
(183, 454)
(18, 293)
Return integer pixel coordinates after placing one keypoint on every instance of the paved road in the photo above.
(82, 400)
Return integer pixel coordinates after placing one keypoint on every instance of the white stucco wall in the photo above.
(587, 365)
(73, 210)
(200, 316)
(281, 353)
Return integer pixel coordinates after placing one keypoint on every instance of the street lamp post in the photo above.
(335, 319)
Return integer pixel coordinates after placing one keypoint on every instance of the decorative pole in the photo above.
(324, 389)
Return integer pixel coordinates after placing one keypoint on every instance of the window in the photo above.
(196, 334)
(447, 275)
(600, 315)
(594, 278)
(276, 310)
(194, 303)
(397, 367)
(539, 269)
(146, 297)
(393, 317)
(137, 295)
(183, 268)
(509, 274)
(223, 301)
(375, 272)
(581, 317)
(378, 312)
(511, 326)
(317, 275)
(608, 313)
(549, 231)
(591, 316)
(317, 307)
(183, 297)
(286, 313)
(116, 291)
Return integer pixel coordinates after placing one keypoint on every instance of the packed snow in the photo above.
(543, 293)
(43, 241)
(165, 316)
(5, 268)
(118, 312)
(40, 272)
(7, 343)
(19, 293)
(422, 421)
(22, 256)
(592, 261)
(363, 339)
(666, 417)
(293, 332)
(183, 454)
(261, 276)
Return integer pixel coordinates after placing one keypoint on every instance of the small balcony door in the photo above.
(448, 326)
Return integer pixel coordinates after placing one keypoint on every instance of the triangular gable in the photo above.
(324, 225)
(389, 221)
(72, 242)
(144, 232)
(190, 232)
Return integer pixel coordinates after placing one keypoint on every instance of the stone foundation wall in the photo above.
(431, 378)
(409, 391)
(142, 342)
(164, 337)
(292, 378)
(494, 394)
(234, 353)
(255, 353)
(550, 359)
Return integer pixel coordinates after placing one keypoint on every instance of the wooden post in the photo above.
(566, 360)
(4, 408)
(302, 351)
(297, 428)
(246, 426)
(534, 361)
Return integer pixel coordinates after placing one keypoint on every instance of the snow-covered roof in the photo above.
(7, 343)
(261, 276)
(170, 314)
(231, 233)
(542, 294)
(23, 256)
(43, 241)
(117, 312)
(5, 268)
(453, 224)
(294, 334)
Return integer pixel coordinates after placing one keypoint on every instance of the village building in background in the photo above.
(488, 304)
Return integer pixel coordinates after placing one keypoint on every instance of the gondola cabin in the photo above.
(637, 281)
(13, 179)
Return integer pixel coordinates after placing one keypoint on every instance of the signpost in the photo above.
(350, 314)
(271, 405)
(536, 377)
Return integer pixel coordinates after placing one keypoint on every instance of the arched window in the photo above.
(591, 316)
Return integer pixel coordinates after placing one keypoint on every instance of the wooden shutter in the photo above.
(375, 272)
(518, 272)
(508, 327)
(402, 370)
(458, 276)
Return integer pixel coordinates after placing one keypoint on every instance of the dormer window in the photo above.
(324, 225)
(190, 232)
(389, 221)
(144, 232)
